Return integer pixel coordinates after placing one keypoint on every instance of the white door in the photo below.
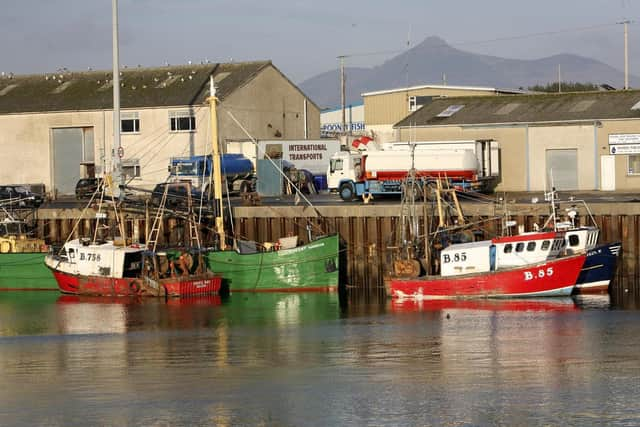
(607, 173)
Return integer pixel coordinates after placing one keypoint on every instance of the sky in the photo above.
(304, 37)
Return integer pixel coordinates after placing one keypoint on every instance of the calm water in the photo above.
(312, 360)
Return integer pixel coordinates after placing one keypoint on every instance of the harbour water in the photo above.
(314, 360)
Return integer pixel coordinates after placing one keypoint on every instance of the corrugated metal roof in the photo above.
(508, 109)
(140, 87)
(444, 87)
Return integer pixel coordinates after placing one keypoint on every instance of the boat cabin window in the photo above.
(520, 247)
(574, 240)
(335, 165)
(531, 246)
(508, 248)
(545, 245)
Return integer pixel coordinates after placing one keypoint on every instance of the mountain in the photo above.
(427, 62)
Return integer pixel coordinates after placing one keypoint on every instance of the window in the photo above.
(508, 248)
(531, 246)
(519, 246)
(129, 123)
(545, 245)
(634, 164)
(182, 121)
(416, 102)
(574, 240)
(131, 168)
(450, 110)
(335, 165)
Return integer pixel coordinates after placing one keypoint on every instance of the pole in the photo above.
(626, 56)
(117, 147)
(217, 169)
(342, 93)
(559, 80)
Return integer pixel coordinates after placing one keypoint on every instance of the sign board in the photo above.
(310, 154)
(624, 138)
(624, 149)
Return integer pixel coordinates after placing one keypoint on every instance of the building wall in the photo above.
(389, 108)
(269, 107)
(269, 99)
(523, 150)
(624, 181)
(578, 137)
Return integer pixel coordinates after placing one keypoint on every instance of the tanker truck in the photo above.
(465, 167)
(237, 172)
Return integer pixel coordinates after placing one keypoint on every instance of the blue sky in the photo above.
(304, 37)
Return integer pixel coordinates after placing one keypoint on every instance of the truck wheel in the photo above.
(244, 187)
(346, 192)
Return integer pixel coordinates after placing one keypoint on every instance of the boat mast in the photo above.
(117, 147)
(217, 169)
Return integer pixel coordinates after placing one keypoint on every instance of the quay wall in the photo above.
(368, 231)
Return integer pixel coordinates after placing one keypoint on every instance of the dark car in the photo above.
(86, 187)
(177, 194)
(20, 196)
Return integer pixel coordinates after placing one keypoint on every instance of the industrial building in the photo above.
(58, 127)
(384, 108)
(573, 141)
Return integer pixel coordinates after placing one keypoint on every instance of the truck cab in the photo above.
(344, 166)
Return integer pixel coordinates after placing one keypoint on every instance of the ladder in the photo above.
(157, 222)
(194, 235)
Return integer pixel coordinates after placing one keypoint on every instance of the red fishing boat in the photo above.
(94, 268)
(555, 277)
(452, 265)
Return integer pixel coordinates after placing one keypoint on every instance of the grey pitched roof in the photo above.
(507, 109)
(140, 87)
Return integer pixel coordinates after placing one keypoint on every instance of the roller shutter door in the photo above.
(562, 168)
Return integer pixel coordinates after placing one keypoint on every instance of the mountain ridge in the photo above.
(433, 58)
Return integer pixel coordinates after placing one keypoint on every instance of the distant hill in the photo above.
(428, 61)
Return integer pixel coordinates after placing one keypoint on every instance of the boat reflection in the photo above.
(185, 301)
(542, 304)
(99, 315)
(593, 301)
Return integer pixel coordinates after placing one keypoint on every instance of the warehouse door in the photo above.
(72, 147)
(562, 169)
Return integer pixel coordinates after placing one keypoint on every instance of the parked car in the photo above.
(85, 187)
(176, 195)
(20, 196)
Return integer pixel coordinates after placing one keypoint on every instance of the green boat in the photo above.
(282, 266)
(309, 267)
(22, 259)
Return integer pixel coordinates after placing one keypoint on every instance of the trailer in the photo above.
(312, 155)
(237, 172)
(465, 165)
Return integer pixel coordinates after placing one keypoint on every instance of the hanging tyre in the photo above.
(346, 191)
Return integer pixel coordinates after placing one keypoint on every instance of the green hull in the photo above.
(310, 267)
(25, 271)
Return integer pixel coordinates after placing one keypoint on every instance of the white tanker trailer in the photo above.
(380, 172)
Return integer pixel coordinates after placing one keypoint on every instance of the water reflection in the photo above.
(546, 304)
(307, 359)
